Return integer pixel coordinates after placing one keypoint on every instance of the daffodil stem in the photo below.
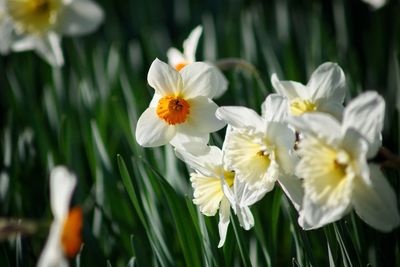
(12, 227)
(388, 159)
(231, 63)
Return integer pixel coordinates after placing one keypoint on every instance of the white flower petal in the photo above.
(154, 101)
(62, 185)
(205, 163)
(196, 145)
(202, 116)
(240, 117)
(151, 131)
(376, 4)
(328, 82)
(175, 57)
(187, 138)
(284, 140)
(52, 254)
(228, 131)
(320, 125)
(190, 44)
(240, 198)
(289, 89)
(245, 217)
(357, 147)
(331, 107)
(6, 37)
(287, 159)
(49, 48)
(222, 83)
(164, 79)
(201, 79)
(316, 215)
(245, 195)
(224, 213)
(24, 43)
(80, 17)
(366, 114)
(304, 224)
(207, 193)
(275, 108)
(228, 192)
(293, 188)
(376, 204)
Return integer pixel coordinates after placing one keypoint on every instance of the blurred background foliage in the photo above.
(137, 202)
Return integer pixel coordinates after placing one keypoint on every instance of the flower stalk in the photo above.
(232, 63)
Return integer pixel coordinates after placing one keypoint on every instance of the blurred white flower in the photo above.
(181, 111)
(259, 149)
(216, 187)
(179, 60)
(6, 29)
(337, 175)
(64, 239)
(376, 4)
(324, 92)
(39, 24)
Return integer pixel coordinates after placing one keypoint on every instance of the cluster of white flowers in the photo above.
(306, 140)
(39, 24)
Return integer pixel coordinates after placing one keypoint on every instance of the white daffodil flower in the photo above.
(217, 188)
(179, 60)
(64, 239)
(259, 149)
(181, 111)
(337, 176)
(324, 92)
(207, 184)
(241, 196)
(39, 24)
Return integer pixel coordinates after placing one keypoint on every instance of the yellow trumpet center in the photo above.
(299, 106)
(71, 238)
(229, 177)
(328, 171)
(173, 110)
(33, 16)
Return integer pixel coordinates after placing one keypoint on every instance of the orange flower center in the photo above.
(180, 66)
(71, 238)
(173, 109)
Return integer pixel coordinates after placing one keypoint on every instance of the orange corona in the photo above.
(173, 110)
(71, 238)
(180, 66)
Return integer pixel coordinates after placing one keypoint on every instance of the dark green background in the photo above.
(84, 115)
